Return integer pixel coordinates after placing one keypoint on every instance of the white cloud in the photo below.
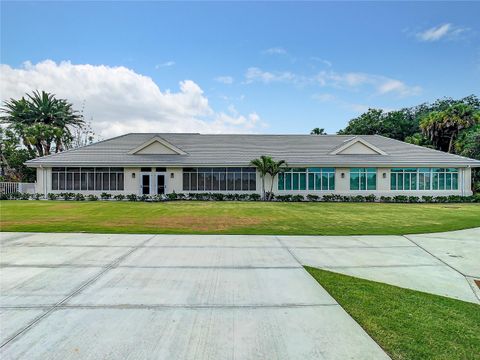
(444, 31)
(254, 74)
(378, 84)
(275, 51)
(120, 100)
(165, 64)
(224, 79)
(323, 61)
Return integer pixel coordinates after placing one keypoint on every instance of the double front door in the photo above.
(152, 184)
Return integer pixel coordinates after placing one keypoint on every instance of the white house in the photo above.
(148, 163)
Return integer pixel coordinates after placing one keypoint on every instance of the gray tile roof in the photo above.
(238, 150)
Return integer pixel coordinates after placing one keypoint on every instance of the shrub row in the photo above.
(246, 197)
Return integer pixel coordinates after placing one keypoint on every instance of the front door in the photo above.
(145, 187)
(161, 184)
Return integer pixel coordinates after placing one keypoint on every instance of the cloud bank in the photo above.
(119, 100)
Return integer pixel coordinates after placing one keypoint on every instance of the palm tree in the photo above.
(41, 120)
(275, 168)
(443, 127)
(263, 166)
(318, 131)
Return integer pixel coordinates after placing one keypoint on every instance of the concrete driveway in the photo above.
(89, 296)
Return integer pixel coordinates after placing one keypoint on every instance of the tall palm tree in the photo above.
(443, 127)
(262, 164)
(42, 121)
(275, 168)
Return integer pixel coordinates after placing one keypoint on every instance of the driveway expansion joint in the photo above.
(76, 291)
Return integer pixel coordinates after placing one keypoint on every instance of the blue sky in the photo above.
(245, 67)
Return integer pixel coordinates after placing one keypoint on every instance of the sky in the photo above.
(231, 67)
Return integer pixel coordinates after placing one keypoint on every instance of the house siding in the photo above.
(342, 184)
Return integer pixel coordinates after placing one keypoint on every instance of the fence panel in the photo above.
(12, 187)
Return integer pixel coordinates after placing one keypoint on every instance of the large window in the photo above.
(363, 179)
(424, 179)
(219, 179)
(70, 178)
(307, 178)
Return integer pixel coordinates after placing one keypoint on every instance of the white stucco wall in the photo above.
(342, 184)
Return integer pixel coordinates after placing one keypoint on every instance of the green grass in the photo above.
(407, 324)
(209, 217)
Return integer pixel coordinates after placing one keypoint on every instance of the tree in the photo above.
(263, 166)
(275, 168)
(42, 122)
(318, 131)
(443, 127)
(468, 144)
(13, 157)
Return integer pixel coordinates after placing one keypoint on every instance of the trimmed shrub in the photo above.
(298, 198)
(357, 198)
(52, 196)
(79, 197)
(370, 198)
(427, 199)
(441, 199)
(37, 196)
(92, 197)
(254, 197)
(67, 196)
(105, 196)
(119, 197)
(311, 197)
(132, 197)
(144, 198)
(172, 196)
(218, 197)
(24, 196)
(413, 199)
(400, 199)
(231, 197)
(283, 198)
(4, 196)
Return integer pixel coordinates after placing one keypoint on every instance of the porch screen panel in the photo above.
(219, 179)
(81, 179)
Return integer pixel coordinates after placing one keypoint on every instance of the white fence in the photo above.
(12, 187)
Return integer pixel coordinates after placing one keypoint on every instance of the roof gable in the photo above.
(157, 146)
(358, 146)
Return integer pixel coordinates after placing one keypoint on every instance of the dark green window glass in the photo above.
(371, 181)
(311, 181)
(295, 181)
(281, 181)
(303, 181)
(454, 181)
(288, 181)
(331, 181)
(354, 181)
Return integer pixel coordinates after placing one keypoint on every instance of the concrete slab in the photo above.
(215, 241)
(210, 257)
(6, 237)
(200, 287)
(55, 255)
(461, 253)
(322, 332)
(71, 239)
(26, 286)
(467, 234)
(14, 320)
(440, 280)
(364, 257)
(344, 241)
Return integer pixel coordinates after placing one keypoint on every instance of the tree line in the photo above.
(447, 124)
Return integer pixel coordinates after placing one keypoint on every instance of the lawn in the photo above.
(407, 324)
(210, 217)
